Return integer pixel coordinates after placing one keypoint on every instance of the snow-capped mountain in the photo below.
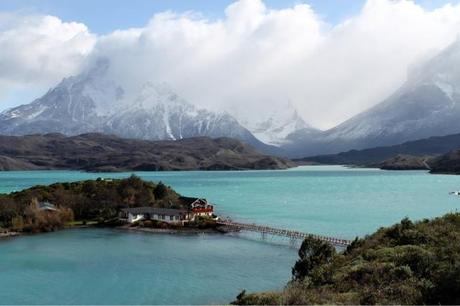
(277, 126)
(428, 104)
(159, 113)
(91, 102)
(77, 105)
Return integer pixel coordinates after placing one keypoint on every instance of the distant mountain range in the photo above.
(420, 154)
(427, 105)
(424, 147)
(98, 152)
(91, 102)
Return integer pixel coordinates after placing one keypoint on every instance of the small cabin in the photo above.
(198, 206)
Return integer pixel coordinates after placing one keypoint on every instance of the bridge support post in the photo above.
(292, 241)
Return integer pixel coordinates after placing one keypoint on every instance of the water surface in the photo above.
(328, 200)
(97, 266)
(113, 267)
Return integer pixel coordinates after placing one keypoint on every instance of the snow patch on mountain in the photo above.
(447, 88)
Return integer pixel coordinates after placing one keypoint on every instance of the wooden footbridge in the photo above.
(282, 232)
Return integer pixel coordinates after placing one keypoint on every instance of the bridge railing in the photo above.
(282, 232)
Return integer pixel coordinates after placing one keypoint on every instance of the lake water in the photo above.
(113, 267)
(91, 266)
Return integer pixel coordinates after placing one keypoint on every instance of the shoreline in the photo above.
(172, 231)
(150, 230)
(7, 235)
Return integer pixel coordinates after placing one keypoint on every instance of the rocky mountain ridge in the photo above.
(420, 149)
(98, 152)
(93, 103)
(426, 105)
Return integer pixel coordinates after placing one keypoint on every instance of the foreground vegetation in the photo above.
(80, 203)
(408, 263)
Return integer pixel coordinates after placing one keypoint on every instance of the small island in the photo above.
(129, 203)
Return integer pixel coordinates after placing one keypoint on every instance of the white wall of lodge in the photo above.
(199, 208)
(203, 214)
(166, 218)
(132, 217)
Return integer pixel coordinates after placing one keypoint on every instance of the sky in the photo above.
(105, 16)
(329, 59)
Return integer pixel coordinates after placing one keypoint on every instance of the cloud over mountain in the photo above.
(252, 58)
(38, 49)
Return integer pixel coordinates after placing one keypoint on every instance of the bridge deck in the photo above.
(282, 232)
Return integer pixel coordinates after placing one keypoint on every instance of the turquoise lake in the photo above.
(112, 267)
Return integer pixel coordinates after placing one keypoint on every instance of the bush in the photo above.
(408, 263)
(203, 222)
(267, 298)
(312, 253)
(160, 191)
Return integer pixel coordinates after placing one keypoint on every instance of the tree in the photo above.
(160, 191)
(7, 212)
(312, 253)
(134, 181)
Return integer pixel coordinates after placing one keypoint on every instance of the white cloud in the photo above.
(217, 63)
(366, 58)
(37, 51)
(250, 59)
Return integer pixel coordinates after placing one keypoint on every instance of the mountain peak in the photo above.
(92, 102)
(277, 125)
(443, 67)
(428, 104)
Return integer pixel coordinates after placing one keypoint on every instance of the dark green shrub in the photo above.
(160, 191)
(312, 253)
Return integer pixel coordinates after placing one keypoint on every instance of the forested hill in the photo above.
(99, 152)
(92, 200)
